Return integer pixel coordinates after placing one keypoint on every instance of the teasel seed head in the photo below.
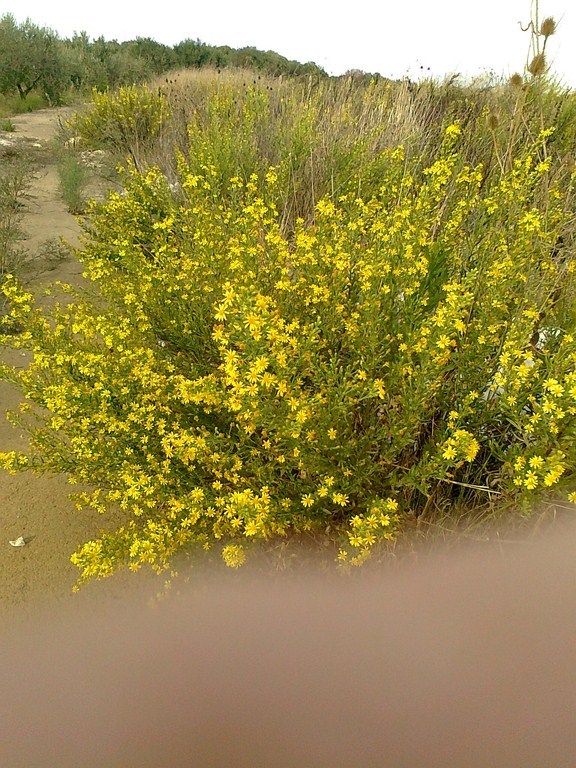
(516, 80)
(538, 65)
(548, 27)
(492, 121)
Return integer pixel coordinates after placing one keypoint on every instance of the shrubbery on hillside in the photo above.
(34, 59)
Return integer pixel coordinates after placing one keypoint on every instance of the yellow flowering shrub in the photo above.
(125, 120)
(231, 382)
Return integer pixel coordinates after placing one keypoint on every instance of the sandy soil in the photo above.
(39, 575)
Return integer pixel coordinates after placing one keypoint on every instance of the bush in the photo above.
(16, 174)
(233, 383)
(14, 104)
(73, 180)
(126, 121)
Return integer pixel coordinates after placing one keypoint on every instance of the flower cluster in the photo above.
(462, 446)
(536, 471)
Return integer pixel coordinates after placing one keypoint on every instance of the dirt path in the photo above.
(39, 575)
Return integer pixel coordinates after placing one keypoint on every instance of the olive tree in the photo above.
(31, 57)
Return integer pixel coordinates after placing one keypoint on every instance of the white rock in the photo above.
(19, 542)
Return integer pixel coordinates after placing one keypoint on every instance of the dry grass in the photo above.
(330, 133)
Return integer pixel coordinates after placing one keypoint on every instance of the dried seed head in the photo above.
(492, 121)
(548, 27)
(538, 65)
(516, 80)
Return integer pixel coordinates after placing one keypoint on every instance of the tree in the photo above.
(80, 62)
(192, 53)
(31, 57)
(157, 57)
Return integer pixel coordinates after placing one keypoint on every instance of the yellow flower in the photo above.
(252, 322)
(380, 389)
(260, 364)
(471, 450)
(233, 555)
(554, 387)
(453, 131)
(444, 342)
(551, 478)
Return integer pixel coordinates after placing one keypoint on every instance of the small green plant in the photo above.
(16, 174)
(7, 125)
(53, 252)
(13, 104)
(73, 180)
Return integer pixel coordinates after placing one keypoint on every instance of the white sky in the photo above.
(393, 37)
